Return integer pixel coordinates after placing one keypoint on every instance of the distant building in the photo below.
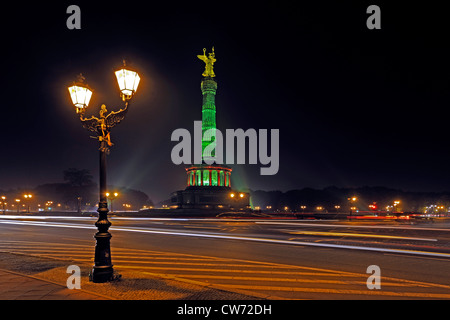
(209, 185)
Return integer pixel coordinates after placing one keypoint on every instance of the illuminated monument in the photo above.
(209, 184)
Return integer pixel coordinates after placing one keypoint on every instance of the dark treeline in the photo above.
(330, 197)
(78, 192)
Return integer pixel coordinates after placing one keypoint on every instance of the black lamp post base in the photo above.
(102, 270)
(103, 274)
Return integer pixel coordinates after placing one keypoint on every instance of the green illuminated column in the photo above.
(209, 87)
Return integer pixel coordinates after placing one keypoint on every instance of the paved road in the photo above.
(285, 259)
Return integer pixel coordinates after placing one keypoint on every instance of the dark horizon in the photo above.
(354, 106)
(387, 193)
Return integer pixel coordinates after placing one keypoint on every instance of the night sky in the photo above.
(354, 107)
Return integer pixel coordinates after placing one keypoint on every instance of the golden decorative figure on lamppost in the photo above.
(103, 124)
(209, 62)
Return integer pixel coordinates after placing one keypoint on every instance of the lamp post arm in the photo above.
(115, 117)
(91, 123)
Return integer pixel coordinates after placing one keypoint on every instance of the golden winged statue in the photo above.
(103, 124)
(209, 62)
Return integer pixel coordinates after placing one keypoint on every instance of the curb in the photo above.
(58, 284)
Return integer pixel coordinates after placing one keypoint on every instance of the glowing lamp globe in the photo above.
(128, 82)
(80, 94)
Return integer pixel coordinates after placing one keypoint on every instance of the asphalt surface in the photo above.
(273, 259)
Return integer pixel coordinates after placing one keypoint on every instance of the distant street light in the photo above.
(28, 197)
(396, 206)
(112, 197)
(18, 205)
(4, 204)
(352, 201)
(79, 204)
(81, 94)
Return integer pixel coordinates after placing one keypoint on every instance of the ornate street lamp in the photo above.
(80, 94)
(128, 81)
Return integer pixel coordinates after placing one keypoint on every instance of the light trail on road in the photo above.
(326, 225)
(358, 235)
(232, 237)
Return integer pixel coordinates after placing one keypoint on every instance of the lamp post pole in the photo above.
(103, 269)
(80, 93)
